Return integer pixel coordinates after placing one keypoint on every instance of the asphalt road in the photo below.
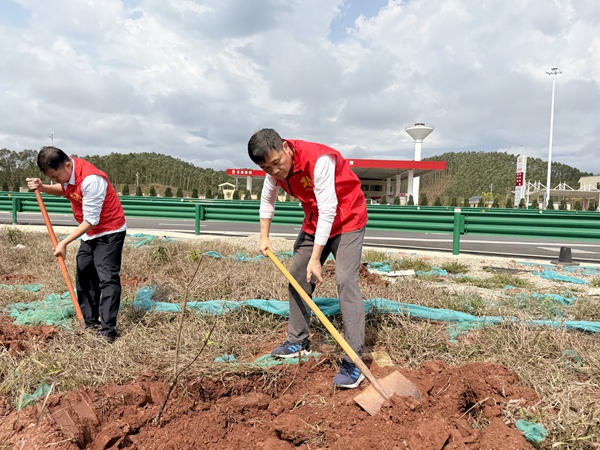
(582, 251)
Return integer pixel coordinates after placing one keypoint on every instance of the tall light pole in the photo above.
(553, 72)
(51, 136)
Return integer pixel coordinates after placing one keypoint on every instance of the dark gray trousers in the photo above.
(347, 250)
(99, 282)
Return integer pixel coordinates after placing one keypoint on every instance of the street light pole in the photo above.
(554, 71)
(51, 136)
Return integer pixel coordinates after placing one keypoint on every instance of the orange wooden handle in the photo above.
(61, 260)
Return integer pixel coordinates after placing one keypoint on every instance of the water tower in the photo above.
(418, 132)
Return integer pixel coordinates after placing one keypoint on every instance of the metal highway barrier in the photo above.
(580, 225)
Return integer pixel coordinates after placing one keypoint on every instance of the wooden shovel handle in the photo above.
(61, 260)
(325, 321)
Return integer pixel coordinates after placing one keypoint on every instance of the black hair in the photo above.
(262, 142)
(51, 158)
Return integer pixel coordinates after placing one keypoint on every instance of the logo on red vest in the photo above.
(306, 183)
(75, 197)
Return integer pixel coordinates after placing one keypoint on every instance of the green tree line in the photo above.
(151, 169)
(469, 174)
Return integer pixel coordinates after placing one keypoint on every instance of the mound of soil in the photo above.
(18, 339)
(285, 407)
(366, 277)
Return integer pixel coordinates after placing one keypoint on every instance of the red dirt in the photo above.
(133, 281)
(366, 277)
(17, 278)
(284, 408)
(18, 339)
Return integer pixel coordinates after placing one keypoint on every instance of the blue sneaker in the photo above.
(349, 376)
(291, 350)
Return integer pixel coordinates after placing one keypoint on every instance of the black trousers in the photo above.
(98, 281)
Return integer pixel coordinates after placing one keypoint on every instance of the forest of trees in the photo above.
(121, 168)
(476, 173)
(467, 174)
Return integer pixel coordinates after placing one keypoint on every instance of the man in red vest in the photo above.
(335, 219)
(102, 228)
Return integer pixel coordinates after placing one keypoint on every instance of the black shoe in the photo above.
(109, 338)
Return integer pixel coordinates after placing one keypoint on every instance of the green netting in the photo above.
(140, 239)
(385, 267)
(581, 270)
(555, 276)
(22, 287)
(241, 257)
(331, 306)
(267, 360)
(29, 399)
(555, 297)
(434, 272)
(533, 432)
(53, 310)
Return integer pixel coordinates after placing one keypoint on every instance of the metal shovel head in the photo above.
(395, 383)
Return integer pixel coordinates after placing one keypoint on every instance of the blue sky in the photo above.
(349, 12)
(13, 14)
(194, 79)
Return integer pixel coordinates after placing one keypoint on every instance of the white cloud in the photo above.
(195, 79)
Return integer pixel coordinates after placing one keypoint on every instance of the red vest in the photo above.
(351, 213)
(111, 217)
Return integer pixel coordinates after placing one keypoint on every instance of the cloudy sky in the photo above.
(194, 79)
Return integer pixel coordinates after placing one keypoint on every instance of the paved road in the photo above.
(582, 251)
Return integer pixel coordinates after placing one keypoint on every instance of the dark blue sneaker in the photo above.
(349, 376)
(291, 350)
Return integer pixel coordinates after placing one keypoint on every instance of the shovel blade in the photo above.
(395, 383)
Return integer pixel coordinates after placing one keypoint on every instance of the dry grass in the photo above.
(543, 358)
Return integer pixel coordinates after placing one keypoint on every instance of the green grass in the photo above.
(454, 267)
(499, 280)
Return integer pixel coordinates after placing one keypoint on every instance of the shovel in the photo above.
(61, 260)
(379, 391)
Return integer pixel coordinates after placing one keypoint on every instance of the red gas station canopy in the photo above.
(367, 169)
